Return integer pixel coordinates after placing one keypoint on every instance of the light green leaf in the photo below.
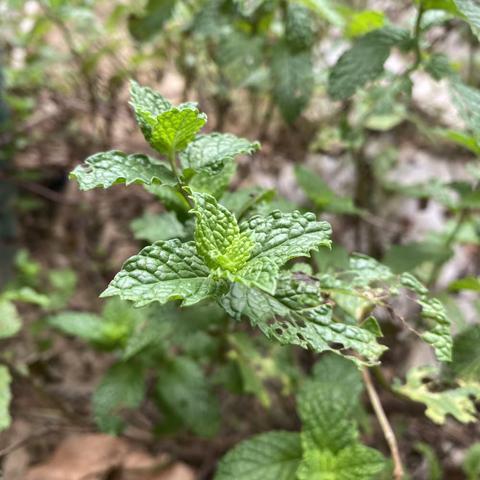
(283, 236)
(466, 354)
(5, 398)
(144, 99)
(467, 283)
(326, 9)
(165, 271)
(121, 388)
(217, 235)
(321, 194)
(361, 23)
(109, 168)
(446, 5)
(242, 201)
(87, 326)
(153, 227)
(471, 10)
(183, 391)
(268, 456)
(211, 152)
(363, 62)
(355, 462)
(172, 130)
(292, 80)
(10, 322)
(326, 405)
(458, 402)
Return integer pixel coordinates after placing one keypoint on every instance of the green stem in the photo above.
(448, 243)
(417, 32)
(172, 160)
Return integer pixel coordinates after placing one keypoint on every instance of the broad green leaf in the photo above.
(283, 236)
(446, 5)
(5, 398)
(144, 99)
(121, 388)
(292, 80)
(268, 456)
(183, 391)
(242, 201)
(172, 130)
(212, 151)
(153, 227)
(471, 462)
(361, 23)
(87, 326)
(170, 197)
(10, 322)
(355, 462)
(165, 271)
(458, 401)
(217, 235)
(321, 194)
(326, 405)
(299, 27)
(150, 23)
(466, 354)
(438, 66)
(363, 62)
(467, 101)
(109, 168)
(213, 184)
(471, 10)
(297, 315)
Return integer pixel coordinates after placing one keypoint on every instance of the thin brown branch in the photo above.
(388, 432)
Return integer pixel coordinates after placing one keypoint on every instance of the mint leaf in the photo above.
(268, 456)
(109, 168)
(172, 130)
(121, 388)
(5, 398)
(153, 227)
(10, 322)
(355, 462)
(466, 354)
(471, 10)
(467, 101)
(326, 405)
(210, 153)
(363, 62)
(184, 392)
(165, 271)
(217, 235)
(283, 236)
(299, 27)
(297, 315)
(292, 80)
(458, 402)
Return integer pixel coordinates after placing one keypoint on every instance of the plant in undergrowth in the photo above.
(220, 257)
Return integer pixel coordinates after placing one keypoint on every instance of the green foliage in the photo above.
(363, 62)
(471, 11)
(466, 354)
(471, 463)
(5, 398)
(456, 401)
(328, 445)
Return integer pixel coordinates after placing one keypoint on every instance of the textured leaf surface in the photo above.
(109, 168)
(363, 62)
(355, 462)
(10, 322)
(174, 129)
(164, 271)
(292, 80)
(466, 354)
(5, 398)
(268, 456)
(296, 315)
(217, 235)
(154, 227)
(458, 402)
(210, 153)
(121, 388)
(184, 390)
(471, 10)
(326, 405)
(299, 27)
(283, 236)
(467, 101)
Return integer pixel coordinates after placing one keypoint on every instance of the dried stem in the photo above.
(388, 432)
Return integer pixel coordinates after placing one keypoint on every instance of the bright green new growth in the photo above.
(327, 447)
